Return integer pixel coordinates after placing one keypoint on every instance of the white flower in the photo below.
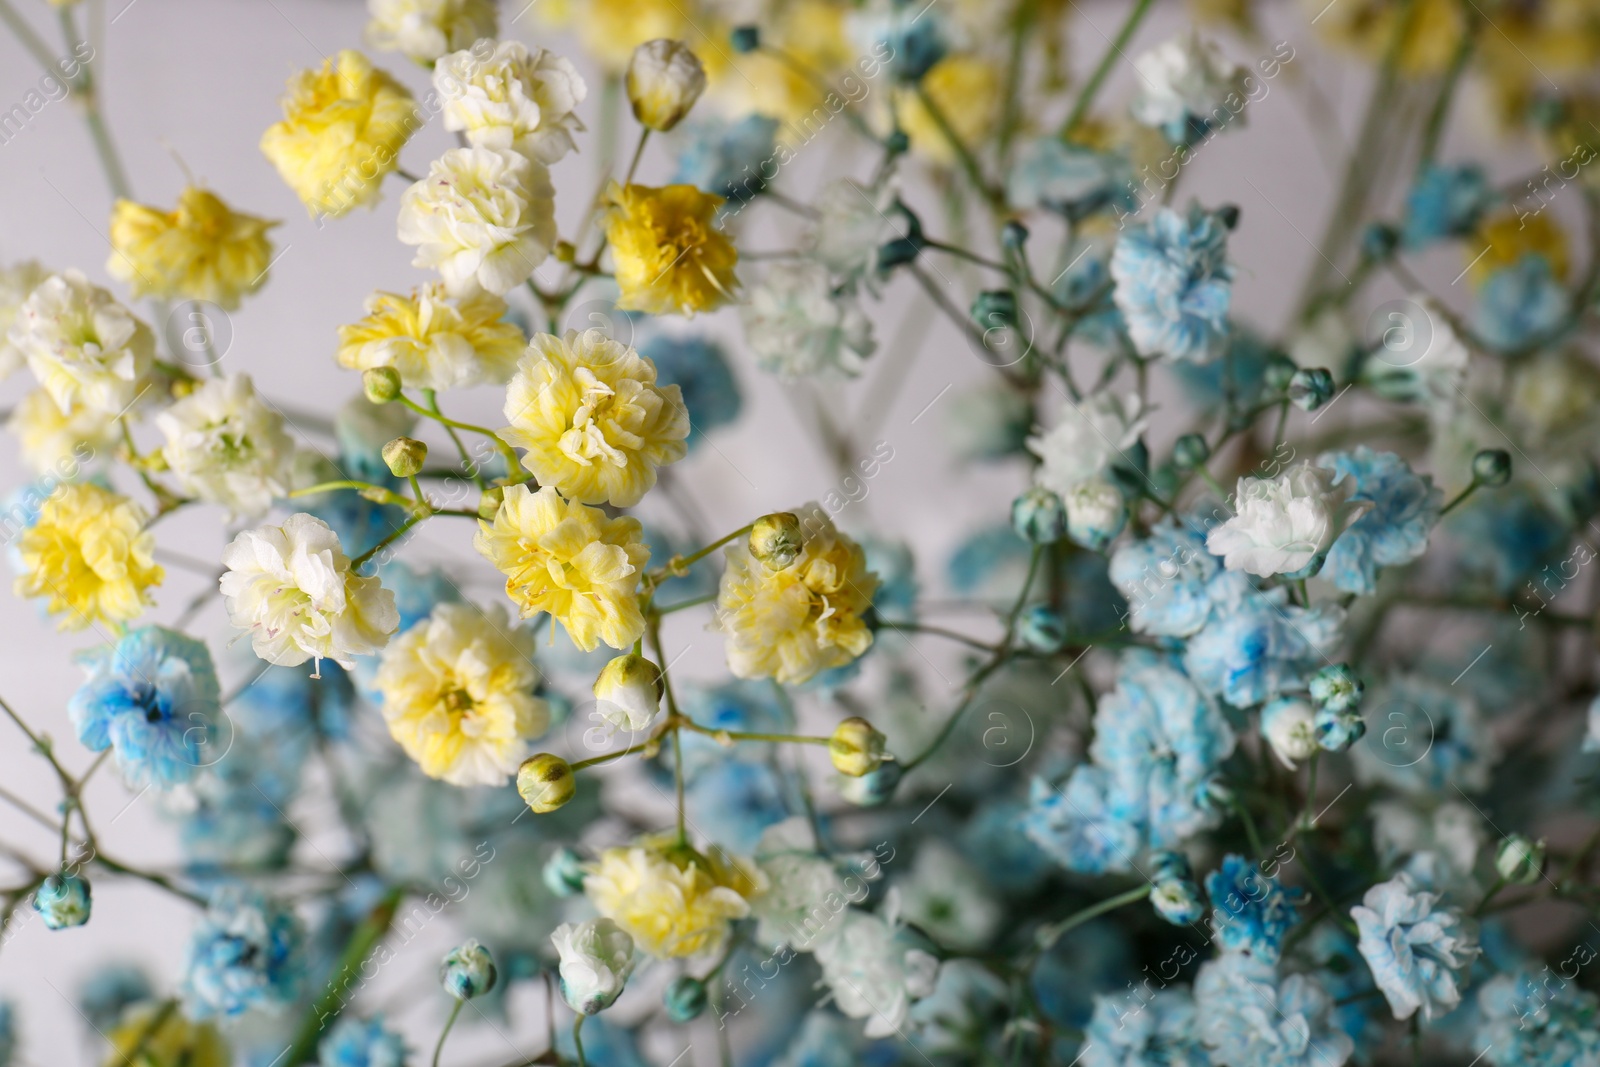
(807, 898)
(1087, 440)
(1185, 77)
(1095, 513)
(1418, 357)
(424, 30)
(944, 896)
(83, 346)
(227, 447)
(798, 327)
(596, 959)
(1449, 839)
(16, 284)
(480, 218)
(853, 222)
(665, 78)
(291, 586)
(628, 692)
(1282, 524)
(873, 973)
(1287, 725)
(513, 99)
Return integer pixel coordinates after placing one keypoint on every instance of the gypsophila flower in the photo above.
(468, 971)
(675, 903)
(700, 369)
(727, 158)
(799, 326)
(1417, 949)
(201, 250)
(292, 588)
(628, 692)
(424, 30)
(852, 224)
(1250, 1017)
(1096, 513)
(90, 556)
(1284, 524)
(228, 447)
(794, 910)
(248, 952)
(1529, 1019)
(875, 973)
(1433, 737)
(1177, 900)
(482, 218)
(154, 700)
(1447, 200)
(17, 283)
(1164, 578)
(1083, 825)
(434, 340)
(1521, 304)
(512, 99)
(1133, 1030)
(945, 897)
(62, 901)
(1257, 645)
(669, 256)
(1174, 285)
(1395, 528)
(1287, 724)
(1251, 910)
(84, 348)
(1086, 440)
(355, 1042)
(596, 960)
(1188, 87)
(1419, 359)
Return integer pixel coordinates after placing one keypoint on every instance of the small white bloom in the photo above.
(873, 973)
(665, 78)
(480, 218)
(226, 447)
(945, 897)
(83, 346)
(853, 222)
(799, 327)
(514, 99)
(1451, 836)
(1185, 77)
(596, 960)
(807, 898)
(1418, 357)
(1095, 513)
(1283, 523)
(424, 30)
(1287, 723)
(17, 283)
(628, 692)
(291, 586)
(1088, 439)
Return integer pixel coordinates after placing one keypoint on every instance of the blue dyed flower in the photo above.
(62, 900)
(699, 368)
(1521, 304)
(1070, 179)
(997, 842)
(991, 564)
(1251, 911)
(1144, 1031)
(1538, 1020)
(895, 599)
(1163, 577)
(153, 699)
(898, 30)
(1417, 950)
(1081, 825)
(1257, 645)
(238, 816)
(1425, 737)
(1236, 381)
(733, 801)
(1447, 201)
(248, 952)
(1405, 508)
(1177, 900)
(1509, 536)
(1174, 284)
(108, 990)
(727, 158)
(1249, 1018)
(357, 1042)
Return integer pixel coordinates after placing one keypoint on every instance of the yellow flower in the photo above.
(966, 90)
(674, 902)
(342, 130)
(811, 32)
(458, 694)
(434, 340)
(611, 29)
(570, 560)
(172, 1042)
(56, 441)
(1504, 238)
(1368, 27)
(669, 254)
(593, 421)
(200, 250)
(789, 623)
(90, 555)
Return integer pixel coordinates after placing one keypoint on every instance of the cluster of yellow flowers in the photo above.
(675, 902)
(90, 556)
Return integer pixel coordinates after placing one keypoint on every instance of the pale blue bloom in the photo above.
(1345, 979)
(248, 952)
(1251, 911)
(1070, 179)
(699, 367)
(1135, 1030)
(1538, 1020)
(1251, 1018)
(238, 815)
(1081, 825)
(989, 565)
(1084, 286)
(824, 1039)
(63, 900)
(734, 800)
(1446, 201)
(898, 30)
(1177, 900)
(998, 845)
(1405, 508)
(1521, 304)
(1084, 961)
(895, 599)
(1425, 737)
(1236, 381)
(1257, 645)
(1163, 577)
(109, 989)
(354, 1042)
(1174, 284)
(1509, 535)
(728, 158)
(1416, 949)
(962, 1017)
(154, 700)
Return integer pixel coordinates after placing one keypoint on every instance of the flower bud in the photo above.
(1039, 517)
(1338, 730)
(596, 960)
(381, 384)
(856, 748)
(1096, 513)
(995, 309)
(746, 39)
(563, 872)
(1167, 866)
(897, 143)
(1280, 372)
(1042, 629)
(1336, 687)
(1519, 860)
(62, 900)
(404, 456)
(546, 782)
(1177, 900)
(665, 78)
(1013, 235)
(1190, 451)
(685, 998)
(1310, 388)
(1491, 468)
(1288, 725)
(874, 788)
(468, 971)
(1228, 215)
(489, 503)
(1379, 240)
(628, 692)
(776, 539)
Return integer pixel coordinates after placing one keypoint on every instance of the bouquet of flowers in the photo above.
(1257, 732)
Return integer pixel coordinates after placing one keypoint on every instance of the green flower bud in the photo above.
(856, 748)
(1190, 451)
(404, 456)
(995, 308)
(381, 384)
(746, 39)
(546, 782)
(685, 998)
(489, 503)
(62, 900)
(1310, 388)
(1519, 860)
(873, 789)
(1492, 467)
(1042, 629)
(776, 539)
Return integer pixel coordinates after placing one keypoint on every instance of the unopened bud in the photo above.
(776, 539)
(381, 384)
(405, 456)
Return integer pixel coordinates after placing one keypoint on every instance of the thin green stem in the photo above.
(450, 1022)
(1049, 935)
(638, 154)
(512, 462)
(577, 1038)
(1434, 130)
(1114, 51)
(595, 761)
(744, 735)
(682, 605)
(968, 161)
(394, 535)
(1461, 497)
(678, 565)
(326, 1008)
